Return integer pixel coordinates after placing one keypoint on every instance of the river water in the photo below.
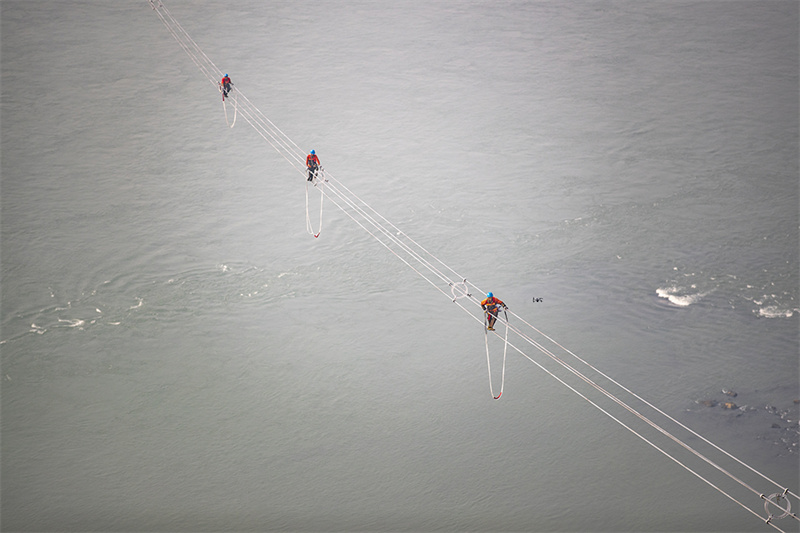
(178, 354)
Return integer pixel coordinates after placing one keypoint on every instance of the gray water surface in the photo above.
(179, 355)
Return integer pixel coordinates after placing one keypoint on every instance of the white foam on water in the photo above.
(773, 311)
(680, 297)
(72, 322)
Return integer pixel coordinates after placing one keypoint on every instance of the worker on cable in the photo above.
(225, 85)
(491, 306)
(312, 163)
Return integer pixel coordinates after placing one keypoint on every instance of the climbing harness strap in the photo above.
(319, 179)
(488, 361)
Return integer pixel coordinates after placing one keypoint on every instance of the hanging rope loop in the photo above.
(488, 359)
(319, 180)
(232, 96)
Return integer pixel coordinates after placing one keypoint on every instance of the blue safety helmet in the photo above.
(490, 295)
(312, 152)
(225, 76)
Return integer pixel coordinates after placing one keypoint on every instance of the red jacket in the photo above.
(312, 160)
(492, 303)
(225, 80)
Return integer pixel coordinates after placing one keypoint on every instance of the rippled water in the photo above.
(179, 355)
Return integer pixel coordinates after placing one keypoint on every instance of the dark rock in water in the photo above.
(797, 400)
(729, 393)
(776, 426)
(729, 405)
(708, 403)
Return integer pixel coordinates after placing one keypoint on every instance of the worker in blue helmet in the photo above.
(491, 306)
(312, 163)
(225, 86)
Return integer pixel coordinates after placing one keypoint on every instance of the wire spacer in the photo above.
(460, 287)
(775, 499)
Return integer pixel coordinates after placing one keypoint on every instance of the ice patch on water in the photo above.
(680, 297)
(767, 296)
(773, 311)
(774, 305)
(73, 322)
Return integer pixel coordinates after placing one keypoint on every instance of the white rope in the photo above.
(225, 107)
(321, 181)
(488, 360)
(431, 269)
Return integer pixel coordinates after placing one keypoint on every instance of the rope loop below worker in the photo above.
(230, 96)
(317, 181)
(488, 359)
